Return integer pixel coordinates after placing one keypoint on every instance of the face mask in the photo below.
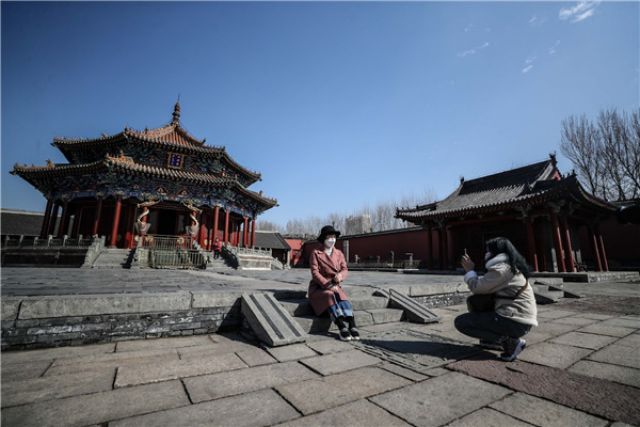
(487, 256)
(329, 243)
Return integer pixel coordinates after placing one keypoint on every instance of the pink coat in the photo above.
(323, 269)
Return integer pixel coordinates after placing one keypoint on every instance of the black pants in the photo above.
(490, 326)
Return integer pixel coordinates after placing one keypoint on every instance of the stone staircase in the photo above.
(550, 290)
(113, 258)
(368, 310)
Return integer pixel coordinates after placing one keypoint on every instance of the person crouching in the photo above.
(325, 293)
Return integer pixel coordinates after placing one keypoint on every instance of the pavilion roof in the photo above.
(126, 165)
(527, 185)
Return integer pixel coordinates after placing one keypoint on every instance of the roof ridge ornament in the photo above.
(176, 113)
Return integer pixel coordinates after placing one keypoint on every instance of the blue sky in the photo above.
(338, 105)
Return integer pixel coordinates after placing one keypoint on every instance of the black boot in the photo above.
(352, 328)
(344, 332)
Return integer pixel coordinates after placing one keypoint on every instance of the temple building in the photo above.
(550, 218)
(137, 184)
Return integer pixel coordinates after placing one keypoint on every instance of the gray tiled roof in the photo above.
(20, 223)
(271, 240)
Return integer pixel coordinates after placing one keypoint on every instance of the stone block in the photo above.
(358, 413)
(632, 341)
(291, 352)
(488, 417)
(169, 370)
(208, 299)
(260, 408)
(85, 305)
(335, 390)
(95, 362)
(541, 412)
(622, 322)
(554, 329)
(580, 339)
(614, 331)
(330, 346)
(48, 388)
(339, 362)
(386, 315)
(440, 400)
(403, 372)
(414, 311)
(436, 289)
(619, 374)
(97, 408)
(223, 384)
(555, 355)
(164, 343)
(370, 303)
(23, 371)
(255, 357)
(55, 353)
(555, 314)
(617, 355)
(270, 321)
(10, 308)
(576, 321)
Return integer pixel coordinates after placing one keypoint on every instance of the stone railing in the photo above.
(48, 242)
(237, 250)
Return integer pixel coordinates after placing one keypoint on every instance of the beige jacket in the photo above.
(500, 280)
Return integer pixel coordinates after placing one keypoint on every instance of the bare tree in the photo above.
(605, 154)
(267, 226)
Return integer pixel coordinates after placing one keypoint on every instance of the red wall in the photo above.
(400, 242)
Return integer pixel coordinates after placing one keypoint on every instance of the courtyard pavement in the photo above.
(581, 367)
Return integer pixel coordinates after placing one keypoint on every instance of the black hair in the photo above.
(502, 245)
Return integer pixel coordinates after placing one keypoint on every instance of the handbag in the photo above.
(478, 303)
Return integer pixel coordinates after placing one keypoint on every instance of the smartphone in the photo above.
(465, 252)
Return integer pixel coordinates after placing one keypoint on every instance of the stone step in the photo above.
(540, 288)
(415, 312)
(311, 323)
(549, 296)
(269, 320)
(112, 258)
(301, 306)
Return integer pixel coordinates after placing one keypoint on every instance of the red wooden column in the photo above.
(253, 232)
(202, 233)
(429, 248)
(567, 240)
(603, 253)
(77, 220)
(129, 229)
(116, 222)
(531, 243)
(214, 226)
(46, 219)
(441, 248)
(557, 241)
(450, 258)
(225, 236)
(245, 233)
(595, 248)
(65, 218)
(96, 219)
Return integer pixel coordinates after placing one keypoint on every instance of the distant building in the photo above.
(273, 240)
(358, 224)
(16, 223)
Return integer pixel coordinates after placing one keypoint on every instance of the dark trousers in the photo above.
(490, 326)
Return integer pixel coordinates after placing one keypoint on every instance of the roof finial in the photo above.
(461, 179)
(552, 156)
(176, 112)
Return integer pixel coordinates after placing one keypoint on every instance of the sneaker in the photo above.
(345, 335)
(490, 345)
(512, 348)
(355, 335)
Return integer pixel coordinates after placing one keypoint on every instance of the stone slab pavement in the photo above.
(580, 369)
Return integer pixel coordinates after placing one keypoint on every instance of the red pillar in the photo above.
(214, 227)
(96, 220)
(116, 223)
(596, 250)
(567, 240)
(557, 241)
(429, 248)
(245, 233)
(441, 248)
(450, 258)
(253, 233)
(77, 220)
(531, 244)
(225, 236)
(64, 219)
(202, 234)
(603, 253)
(45, 220)
(129, 233)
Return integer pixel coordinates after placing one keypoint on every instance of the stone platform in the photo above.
(593, 276)
(580, 368)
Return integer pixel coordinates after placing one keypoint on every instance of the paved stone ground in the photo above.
(581, 368)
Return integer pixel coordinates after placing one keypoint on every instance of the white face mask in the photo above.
(488, 256)
(329, 243)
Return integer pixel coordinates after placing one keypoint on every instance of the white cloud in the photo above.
(526, 69)
(468, 28)
(552, 49)
(581, 11)
(474, 50)
(530, 59)
(536, 21)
